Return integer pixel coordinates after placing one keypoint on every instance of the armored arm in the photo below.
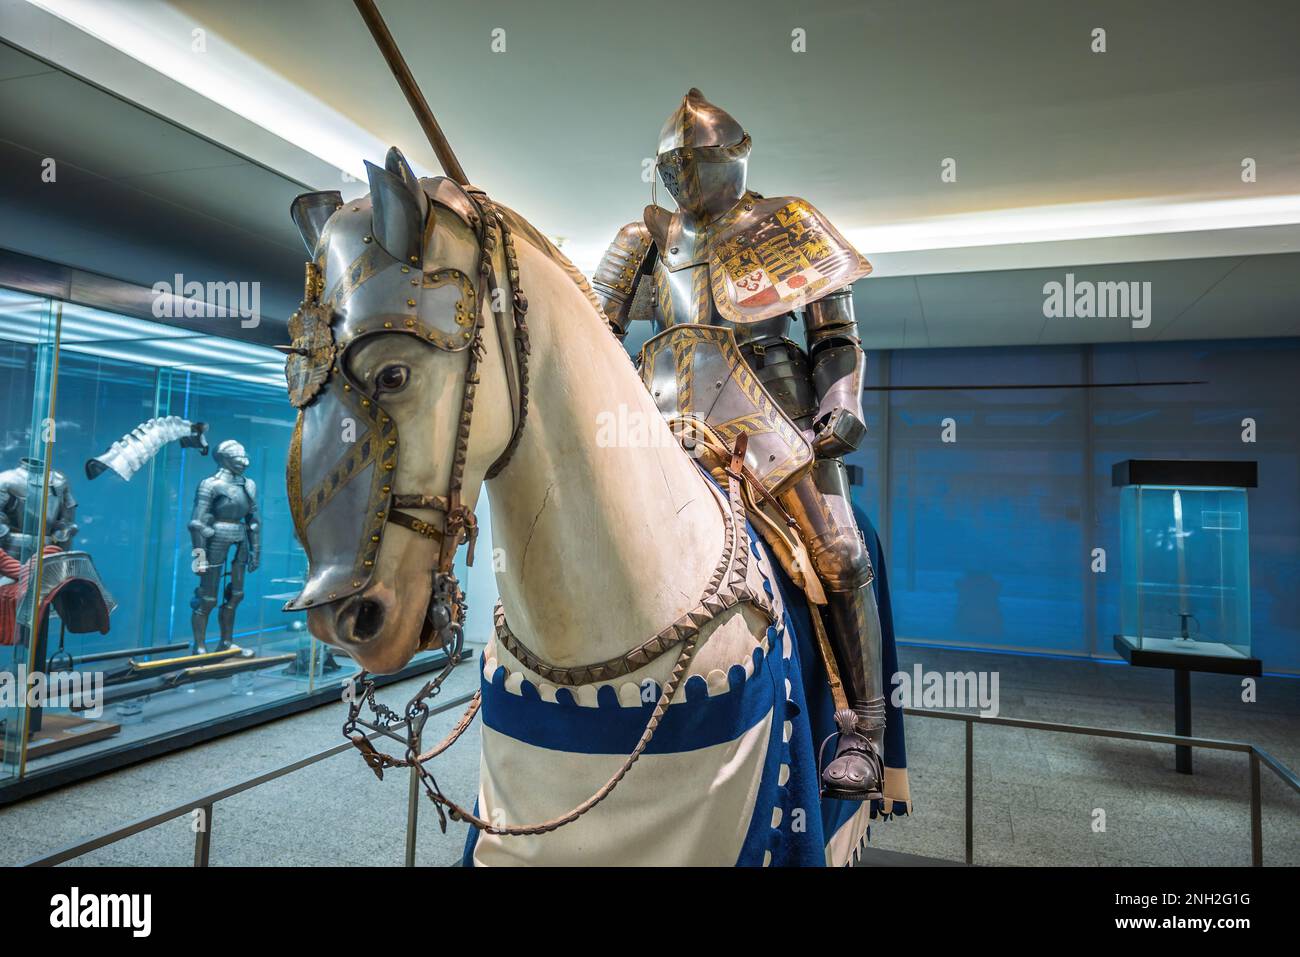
(64, 528)
(629, 258)
(839, 366)
(201, 518)
(254, 522)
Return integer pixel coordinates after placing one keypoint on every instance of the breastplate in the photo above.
(15, 483)
(684, 296)
(231, 503)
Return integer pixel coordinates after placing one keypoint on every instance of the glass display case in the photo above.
(1185, 596)
(151, 613)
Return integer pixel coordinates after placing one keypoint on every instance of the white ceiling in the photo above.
(1065, 157)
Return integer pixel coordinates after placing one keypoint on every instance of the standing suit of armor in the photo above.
(225, 516)
(730, 263)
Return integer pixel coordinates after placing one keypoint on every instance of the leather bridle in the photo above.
(446, 610)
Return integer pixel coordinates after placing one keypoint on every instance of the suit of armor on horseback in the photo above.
(723, 277)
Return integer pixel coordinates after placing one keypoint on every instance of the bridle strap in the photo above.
(516, 373)
(459, 523)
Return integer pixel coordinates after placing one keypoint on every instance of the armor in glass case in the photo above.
(128, 403)
(225, 518)
(1186, 562)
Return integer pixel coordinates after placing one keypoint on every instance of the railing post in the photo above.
(970, 790)
(203, 837)
(1256, 814)
(412, 810)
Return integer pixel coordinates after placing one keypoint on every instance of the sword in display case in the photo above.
(136, 670)
(189, 675)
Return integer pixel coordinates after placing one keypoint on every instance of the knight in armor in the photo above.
(20, 502)
(225, 517)
(731, 263)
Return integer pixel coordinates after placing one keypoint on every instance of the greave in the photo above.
(855, 637)
(226, 619)
(199, 625)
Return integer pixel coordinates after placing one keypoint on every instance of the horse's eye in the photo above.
(393, 378)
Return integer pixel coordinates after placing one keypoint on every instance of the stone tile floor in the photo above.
(1037, 794)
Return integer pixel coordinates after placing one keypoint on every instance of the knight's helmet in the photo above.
(703, 153)
(230, 455)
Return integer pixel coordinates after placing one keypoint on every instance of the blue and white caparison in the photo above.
(750, 744)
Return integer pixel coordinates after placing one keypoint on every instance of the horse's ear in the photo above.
(310, 212)
(396, 164)
(395, 217)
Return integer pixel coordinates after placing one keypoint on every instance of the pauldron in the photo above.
(766, 257)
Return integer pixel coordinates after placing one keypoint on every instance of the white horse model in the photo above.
(605, 532)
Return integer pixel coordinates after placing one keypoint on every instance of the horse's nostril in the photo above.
(370, 618)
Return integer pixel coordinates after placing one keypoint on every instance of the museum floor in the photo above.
(1036, 793)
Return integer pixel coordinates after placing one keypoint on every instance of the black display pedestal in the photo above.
(1183, 663)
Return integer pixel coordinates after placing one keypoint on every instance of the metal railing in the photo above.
(1257, 757)
(206, 804)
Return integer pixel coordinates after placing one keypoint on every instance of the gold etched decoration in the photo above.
(310, 355)
(697, 371)
(293, 484)
(701, 295)
(683, 350)
(781, 256)
(664, 296)
(357, 457)
(364, 267)
(463, 310)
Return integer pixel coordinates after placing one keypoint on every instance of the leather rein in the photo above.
(727, 587)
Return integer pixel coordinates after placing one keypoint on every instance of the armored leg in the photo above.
(234, 595)
(204, 600)
(820, 504)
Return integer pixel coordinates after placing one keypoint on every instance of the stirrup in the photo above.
(869, 753)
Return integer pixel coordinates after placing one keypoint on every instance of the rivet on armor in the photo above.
(388, 325)
(388, 467)
(386, 489)
(356, 584)
(410, 302)
(368, 563)
(373, 538)
(367, 239)
(406, 269)
(410, 323)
